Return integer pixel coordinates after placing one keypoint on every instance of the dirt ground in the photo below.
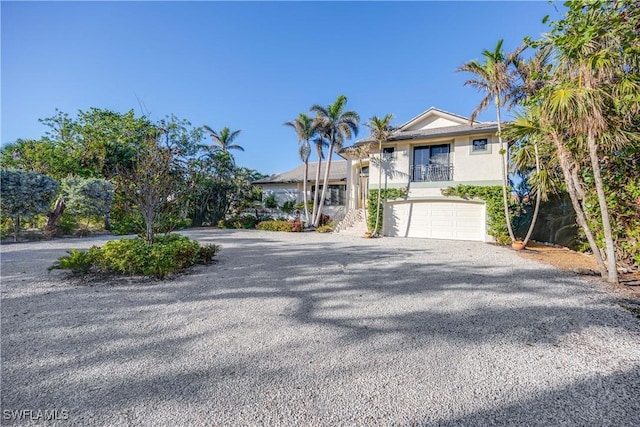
(565, 259)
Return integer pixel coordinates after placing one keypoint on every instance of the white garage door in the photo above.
(454, 220)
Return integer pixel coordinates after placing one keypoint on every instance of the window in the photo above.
(480, 146)
(388, 153)
(432, 163)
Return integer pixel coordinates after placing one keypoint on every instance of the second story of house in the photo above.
(434, 150)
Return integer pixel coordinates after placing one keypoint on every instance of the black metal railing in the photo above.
(431, 173)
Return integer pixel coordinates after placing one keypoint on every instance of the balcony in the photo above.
(432, 173)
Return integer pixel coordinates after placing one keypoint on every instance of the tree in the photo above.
(320, 143)
(87, 197)
(223, 140)
(151, 182)
(25, 195)
(532, 75)
(304, 127)
(595, 89)
(335, 125)
(380, 132)
(494, 78)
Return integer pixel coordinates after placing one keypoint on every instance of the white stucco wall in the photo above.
(467, 165)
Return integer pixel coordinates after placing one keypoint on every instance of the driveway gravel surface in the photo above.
(317, 329)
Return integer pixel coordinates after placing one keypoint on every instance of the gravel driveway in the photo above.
(318, 329)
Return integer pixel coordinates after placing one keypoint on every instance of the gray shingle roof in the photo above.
(436, 132)
(338, 172)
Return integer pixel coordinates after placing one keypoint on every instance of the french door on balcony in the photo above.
(432, 163)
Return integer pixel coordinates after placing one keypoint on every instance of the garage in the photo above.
(436, 219)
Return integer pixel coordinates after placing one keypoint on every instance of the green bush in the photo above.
(292, 226)
(166, 255)
(244, 222)
(270, 201)
(288, 206)
(131, 223)
(79, 262)
(325, 229)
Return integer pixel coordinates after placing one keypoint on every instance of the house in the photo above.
(430, 152)
(288, 186)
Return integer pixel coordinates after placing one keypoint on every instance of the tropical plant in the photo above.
(336, 125)
(380, 131)
(594, 92)
(494, 77)
(223, 140)
(305, 129)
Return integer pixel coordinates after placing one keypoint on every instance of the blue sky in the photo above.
(247, 65)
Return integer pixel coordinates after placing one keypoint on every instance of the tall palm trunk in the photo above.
(375, 229)
(315, 193)
(304, 192)
(503, 163)
(563, 159)
(604, 211)
(538, 197)
(325, 184)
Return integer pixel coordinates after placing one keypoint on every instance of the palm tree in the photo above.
(596, 89)
(380, 131)
(335, 125)
(532, 77)
(320, 143)
(494, 78)
(525, 129)
(303, 125)
(223, 140)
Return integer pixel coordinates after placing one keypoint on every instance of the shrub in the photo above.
(131, 223)
(288, 206)
(206, 253)
(166, 255)
(325, 229)
(245, 222)
(293, 226)
(270, 201)
(79, 262)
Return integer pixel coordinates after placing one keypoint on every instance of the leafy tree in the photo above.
(151, 182)
(380, 132)
(335, 124)
(304, 127)
(25, 195)
(87, 197)
(594, 92)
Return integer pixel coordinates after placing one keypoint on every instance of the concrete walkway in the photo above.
(318, 329)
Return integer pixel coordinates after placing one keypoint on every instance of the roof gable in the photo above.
(433, 118)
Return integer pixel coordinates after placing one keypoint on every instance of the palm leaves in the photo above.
(305, 129)
(494, 77)
(380, 131)
(335, 125)
(224, 139)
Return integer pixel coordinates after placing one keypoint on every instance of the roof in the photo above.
(338, 172)
(462, 128)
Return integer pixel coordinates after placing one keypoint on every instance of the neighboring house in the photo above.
(430, 152)
(288, 186)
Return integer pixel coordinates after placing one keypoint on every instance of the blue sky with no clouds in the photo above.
(248, 65)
